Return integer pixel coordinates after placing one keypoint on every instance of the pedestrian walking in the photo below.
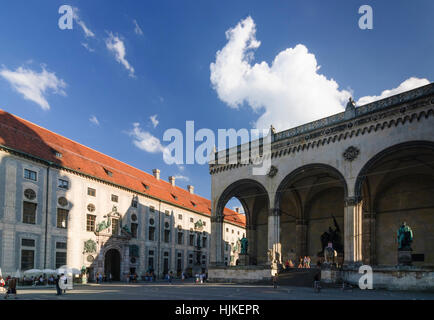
(183, 276)
(12, 288)
(275, 280)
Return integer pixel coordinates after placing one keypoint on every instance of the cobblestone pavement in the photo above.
(209, 291)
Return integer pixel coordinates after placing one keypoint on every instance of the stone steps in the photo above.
(298, 277)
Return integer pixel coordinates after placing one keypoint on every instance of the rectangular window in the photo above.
(60, 259)
(29, 212)
(151, 233)
(29, 174)
(204, 242)
(115, 198)
(61, 245)
(90, 222)
(191, 220)
(63, 184)
(151, 263)
(91, 192)
(152, 209)
(204, 223)
(166, 236)
(115, 226)
(27, 242)
(191, 240)
(167, 213)
(27, 259)
(179, 216)
(134, 227)
(180, 237)
(62, 218)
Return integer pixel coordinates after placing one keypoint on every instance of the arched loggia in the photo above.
(396, 185)
(255, 201)
(307, 199)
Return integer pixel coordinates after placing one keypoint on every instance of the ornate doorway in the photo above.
(112, 264)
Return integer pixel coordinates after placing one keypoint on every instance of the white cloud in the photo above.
(154, 120)
(288, 93)
(145, 140)
(87, 32)
(137, 28)
(408, 84)
(181, 177)
(33, 85)
(116, 45)
(84, 44)
(94, 120)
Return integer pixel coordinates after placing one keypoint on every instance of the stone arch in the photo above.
(396, 185)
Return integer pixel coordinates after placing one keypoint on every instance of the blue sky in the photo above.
(121, 76)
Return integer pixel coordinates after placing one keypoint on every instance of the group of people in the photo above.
(10, 284)
(303, 263)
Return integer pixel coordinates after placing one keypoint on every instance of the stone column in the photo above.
(352, 231)
(300, 238)
(274, 235)
(217, 246)
(368, 238)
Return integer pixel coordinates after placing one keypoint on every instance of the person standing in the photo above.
(12, 288)
(275, 280)
(57, 280)
(63, 280)
(183, 276)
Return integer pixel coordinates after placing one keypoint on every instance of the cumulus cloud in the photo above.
(408, 84)
(181, 177)
(34, 85)
(94, 120)
(87, 32)
(154, 120)
(116, 46)
(289, 92)
(137, 28)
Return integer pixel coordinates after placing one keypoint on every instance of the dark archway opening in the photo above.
(112, 264)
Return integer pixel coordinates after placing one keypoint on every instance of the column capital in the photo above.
(352, 201)
(274, 212)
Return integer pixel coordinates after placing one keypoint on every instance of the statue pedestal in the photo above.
(404, 257)
(243, 259)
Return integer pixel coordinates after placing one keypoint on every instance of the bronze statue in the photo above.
(333, 236)
(405, 237)
(244, 244)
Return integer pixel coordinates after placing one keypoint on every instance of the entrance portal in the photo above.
(112, 264)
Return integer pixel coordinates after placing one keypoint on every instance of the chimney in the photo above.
(190, 189)
(172, 180)
(237, 209)
(156, 173)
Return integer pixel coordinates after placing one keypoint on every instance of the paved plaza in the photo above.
(211, 291)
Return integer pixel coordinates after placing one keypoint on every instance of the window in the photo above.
(191, 220)
(191, 240)
(61, 245)
(91, 192)
(238, 233)
(91, 207)
(180, 237)
(151, 259)
(27, 259)
(60, 259)
(167, 213)
(115, 198)
(226, 246)
(29, 174)
(62, 218)
(151, 221)
(29, 212)
(134, 230)
(27, 242)
(204, 242)
(179, 216)
(152, 209)
(151, 233)
(30, 194)
(63, 184)
(134, 203)
(134, 217)
(166, 236)
(90, 222)
(232, 230)
(166, 225)
(227, 229)
(108, 172)
(115, 226)
(58, 154)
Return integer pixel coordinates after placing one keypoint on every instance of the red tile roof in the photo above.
(23, 136)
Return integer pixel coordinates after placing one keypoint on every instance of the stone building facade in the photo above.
(62, 203)
(369, 168)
